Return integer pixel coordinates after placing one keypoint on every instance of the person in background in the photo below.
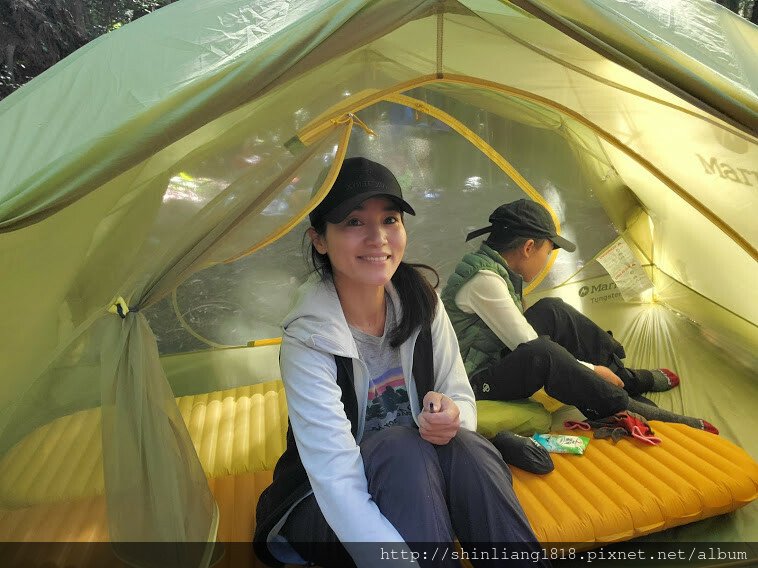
(510, 353)
(382, 445)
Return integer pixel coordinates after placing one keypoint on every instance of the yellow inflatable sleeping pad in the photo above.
(612, 493)
(234, 431)
(615, 492)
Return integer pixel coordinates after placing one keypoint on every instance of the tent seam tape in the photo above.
(440, 32)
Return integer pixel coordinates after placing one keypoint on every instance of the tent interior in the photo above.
(151, 250)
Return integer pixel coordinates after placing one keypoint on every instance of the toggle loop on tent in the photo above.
(350, 118)
(120, 307)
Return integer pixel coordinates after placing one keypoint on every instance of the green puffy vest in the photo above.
(479, 345)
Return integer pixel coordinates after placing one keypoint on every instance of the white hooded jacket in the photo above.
(315, 331)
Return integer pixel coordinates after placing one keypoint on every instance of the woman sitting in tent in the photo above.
(381, 446)
(510, 353)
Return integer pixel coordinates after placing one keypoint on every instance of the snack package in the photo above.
(562, 444)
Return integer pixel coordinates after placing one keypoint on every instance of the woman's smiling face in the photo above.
(365, 248)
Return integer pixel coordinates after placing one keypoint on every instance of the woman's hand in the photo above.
(439, 420)
(609, 376)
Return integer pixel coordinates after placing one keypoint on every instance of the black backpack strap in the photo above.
(348, 398)
(423, 364)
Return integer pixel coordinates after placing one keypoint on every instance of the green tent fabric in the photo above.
(170, 164)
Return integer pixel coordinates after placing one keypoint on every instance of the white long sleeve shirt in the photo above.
(486, 294)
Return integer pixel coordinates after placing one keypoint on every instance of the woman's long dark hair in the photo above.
(418, 300)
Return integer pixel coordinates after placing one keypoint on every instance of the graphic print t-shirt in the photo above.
(387, 403)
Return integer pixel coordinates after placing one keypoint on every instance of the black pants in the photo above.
(431, 494)
(550, 361)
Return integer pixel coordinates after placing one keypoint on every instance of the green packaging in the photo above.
(562, 444)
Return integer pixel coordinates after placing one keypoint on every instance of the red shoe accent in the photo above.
(672, 377)
(708, 427)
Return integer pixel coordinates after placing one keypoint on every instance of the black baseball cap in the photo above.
(522, 218)
(359, 179)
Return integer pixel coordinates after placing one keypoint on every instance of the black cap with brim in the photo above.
(338, 214)
(522, 218)
(565, 244)
(359, 179)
